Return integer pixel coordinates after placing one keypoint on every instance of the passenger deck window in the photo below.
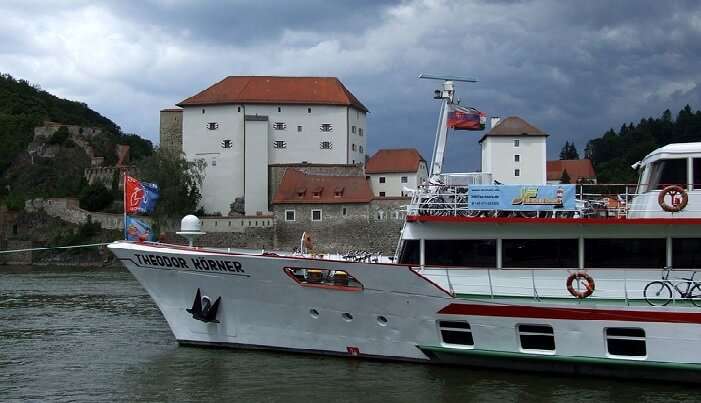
(410, 252)
(626, 341)
(461, 252)
(697, 173)
(685, 253)
(669, 172)
(456, 332)
(625, 253)
(524, 253)
(536, 337)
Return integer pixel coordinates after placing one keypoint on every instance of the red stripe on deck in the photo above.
(520, 311)
(522, 220)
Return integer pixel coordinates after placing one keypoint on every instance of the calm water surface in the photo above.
(76, 334)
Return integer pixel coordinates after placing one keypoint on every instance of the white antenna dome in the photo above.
(190, 228)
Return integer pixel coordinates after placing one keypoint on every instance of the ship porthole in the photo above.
(314, 313)
(347, 317)
(382, 321)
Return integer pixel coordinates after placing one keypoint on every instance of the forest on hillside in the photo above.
(613, 153)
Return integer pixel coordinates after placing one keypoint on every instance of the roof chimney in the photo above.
(495, 121)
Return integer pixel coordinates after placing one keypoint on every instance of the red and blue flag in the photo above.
(140, 197)
(462, 118)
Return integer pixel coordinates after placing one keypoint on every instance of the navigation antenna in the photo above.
(447, 94)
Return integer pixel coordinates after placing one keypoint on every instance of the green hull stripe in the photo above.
(611, 362)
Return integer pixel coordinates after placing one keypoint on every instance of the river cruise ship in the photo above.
(572, 279)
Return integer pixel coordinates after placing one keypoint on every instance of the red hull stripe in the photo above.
(520, 311)
(522, 220)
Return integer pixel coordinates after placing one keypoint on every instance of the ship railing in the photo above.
(446, 198)
(617, 286)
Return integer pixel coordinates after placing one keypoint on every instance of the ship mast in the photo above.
(446, 94)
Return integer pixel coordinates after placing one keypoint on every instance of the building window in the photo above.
(326, 127)
(360, 131)
(360, 149)
(382, 179)
(405, 179)
(316, 215)
(309, 110)
(536, 337)
(326, 145)
(382, 194)
(352, 129)
(212, 125)
(289, 215)
(279, 125)
(214, 162)
(456, 332)
(203, 111)
(517, 143)
(353, 147)
(517, 172)
(226, 143)
(344, 211)
(626, 341)
(279, 109)
(239, 109)
(279, 144)
(517, 158)
(299, 129)
(381, 213)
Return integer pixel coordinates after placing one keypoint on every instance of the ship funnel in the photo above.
(190, 228)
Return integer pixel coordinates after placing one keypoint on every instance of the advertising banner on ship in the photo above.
(521, 197)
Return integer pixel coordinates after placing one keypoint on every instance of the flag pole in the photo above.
(124, 199)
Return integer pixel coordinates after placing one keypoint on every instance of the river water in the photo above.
(79, 334)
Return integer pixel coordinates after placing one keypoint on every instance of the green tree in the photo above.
(60, 136)
(569, 152)
(565, 177)
(179, 182)
(95, 197)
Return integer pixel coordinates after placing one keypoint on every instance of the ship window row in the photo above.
(555, 253)
(538, 338)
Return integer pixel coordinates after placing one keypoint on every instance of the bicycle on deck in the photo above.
(661, 292)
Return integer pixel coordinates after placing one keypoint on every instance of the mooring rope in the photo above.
(89, 245)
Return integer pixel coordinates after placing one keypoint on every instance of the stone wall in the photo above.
(68, 209)
(171, 130)
(250, 238)
(18, 258)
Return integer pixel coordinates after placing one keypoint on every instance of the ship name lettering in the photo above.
(163, 261)
(217, 265)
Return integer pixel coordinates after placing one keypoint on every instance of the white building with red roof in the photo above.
(392, 172)
(242, 124)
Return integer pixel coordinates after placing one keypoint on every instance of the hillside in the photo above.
(613, 153)
(23, 107)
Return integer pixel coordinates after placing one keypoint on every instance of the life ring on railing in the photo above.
(588, 284)
(679, 198)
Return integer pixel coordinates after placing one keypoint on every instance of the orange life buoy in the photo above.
(588, 284)
(679, 198)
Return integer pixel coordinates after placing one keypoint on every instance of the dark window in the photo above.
(685, 253)
(226, 143)
(279, 109)
(382, 179)
(289, 215)
(239, 109)
(299, 128)
(625, 253)
(353, 147)
(409, 253)
(540, 253)
(668, 172)
(344, 211)
(697, 173)
(326, 145)
(626, 341)
(309, 110)
(405, 179)
(352, 129)
(212, 125)
(456, 332)
(316, 215)
(536, 337)
(382, 194)
(279, 125)
(203, 111)
(326, 127)
(461, 252)
(517, 143)
(279, 144)
(360, 148)
(360, 131)
(517, 172)
(517, 158)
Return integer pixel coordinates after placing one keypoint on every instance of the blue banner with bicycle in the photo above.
(522, 197)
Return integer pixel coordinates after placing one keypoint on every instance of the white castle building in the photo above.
(242, 124)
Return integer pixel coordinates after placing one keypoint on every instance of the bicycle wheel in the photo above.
(695, 294)
(657, 293)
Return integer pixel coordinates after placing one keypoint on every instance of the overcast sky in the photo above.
(571, 68)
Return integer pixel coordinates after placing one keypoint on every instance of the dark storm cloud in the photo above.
(574, 69)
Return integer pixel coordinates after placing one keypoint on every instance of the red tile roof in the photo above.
(394, 160)
(576, 169)
(514, 126)
(297, 187)
(276, 90)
